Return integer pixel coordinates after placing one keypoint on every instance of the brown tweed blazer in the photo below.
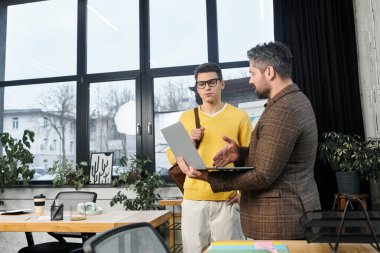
(281, 187)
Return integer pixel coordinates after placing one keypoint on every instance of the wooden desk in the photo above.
(92, 224)
(171, 202)
(301, 246)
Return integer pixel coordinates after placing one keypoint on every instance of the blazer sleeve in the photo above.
(245, 134)
(269, 154)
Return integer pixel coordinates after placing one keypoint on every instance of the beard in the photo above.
(259, 94)
(264, 94)
(264, 91)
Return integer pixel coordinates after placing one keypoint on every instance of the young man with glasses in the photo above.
(207, 215)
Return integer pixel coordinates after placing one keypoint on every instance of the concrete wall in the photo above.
(367, 24)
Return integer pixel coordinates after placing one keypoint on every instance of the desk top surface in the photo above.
(171, 202)
(92, 224)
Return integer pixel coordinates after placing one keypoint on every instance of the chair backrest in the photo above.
(68, 199)
(133, 238)
(74, 197)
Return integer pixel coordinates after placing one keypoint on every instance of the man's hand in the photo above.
(190, 171)
(233, 199)
(228, 154)
(196, 134)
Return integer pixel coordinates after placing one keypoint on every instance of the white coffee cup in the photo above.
(39, 204)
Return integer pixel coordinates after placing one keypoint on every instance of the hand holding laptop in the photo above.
(191, 171)
(182, 146)
(228, 154)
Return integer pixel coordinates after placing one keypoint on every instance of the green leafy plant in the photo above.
(370, 157)
(351, 153)
(14, 165)
(140, 180)
(69, 173)
(341, 151)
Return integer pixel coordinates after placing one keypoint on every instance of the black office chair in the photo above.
(133, 238)
(61, 246)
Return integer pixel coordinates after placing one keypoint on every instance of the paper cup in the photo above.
(39, 204)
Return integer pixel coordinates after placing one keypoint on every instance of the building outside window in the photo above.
(15, 123)
(54, 144)
(45, 122)
(117, 99)
(45, 163)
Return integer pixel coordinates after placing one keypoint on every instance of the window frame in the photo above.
(144, 76)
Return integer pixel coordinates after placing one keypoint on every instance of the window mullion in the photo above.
(82, 133)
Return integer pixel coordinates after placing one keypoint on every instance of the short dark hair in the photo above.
(208, 67)
(274, 54)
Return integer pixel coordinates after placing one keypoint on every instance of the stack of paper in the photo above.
(247, 246)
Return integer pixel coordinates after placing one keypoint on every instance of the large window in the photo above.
(172, 95)
(41, 39)
(106, 75)
(113, 35)
(178, 33)
(242, 26)
(113, 118)
(47, 110)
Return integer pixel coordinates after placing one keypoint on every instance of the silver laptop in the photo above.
(181, 145)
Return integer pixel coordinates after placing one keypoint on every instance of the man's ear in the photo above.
(270, 73)
(223, 85)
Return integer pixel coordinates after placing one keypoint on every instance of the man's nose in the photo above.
(207, 86)
(251, 81)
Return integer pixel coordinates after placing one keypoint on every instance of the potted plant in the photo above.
(68, 173)
(14, 164)
(344, 154)
(140, 180)
(371, 169)
(370, 159)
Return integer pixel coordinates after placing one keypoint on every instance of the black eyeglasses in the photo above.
(211, 83)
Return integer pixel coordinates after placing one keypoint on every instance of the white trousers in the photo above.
(207, 221)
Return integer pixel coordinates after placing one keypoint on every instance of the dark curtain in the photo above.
(321, 35)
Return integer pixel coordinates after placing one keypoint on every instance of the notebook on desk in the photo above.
(17, 211)
(181, 145)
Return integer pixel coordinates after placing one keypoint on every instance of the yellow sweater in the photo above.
(231, 122)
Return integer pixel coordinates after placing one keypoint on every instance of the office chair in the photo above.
(133, 238)
(61, 246)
